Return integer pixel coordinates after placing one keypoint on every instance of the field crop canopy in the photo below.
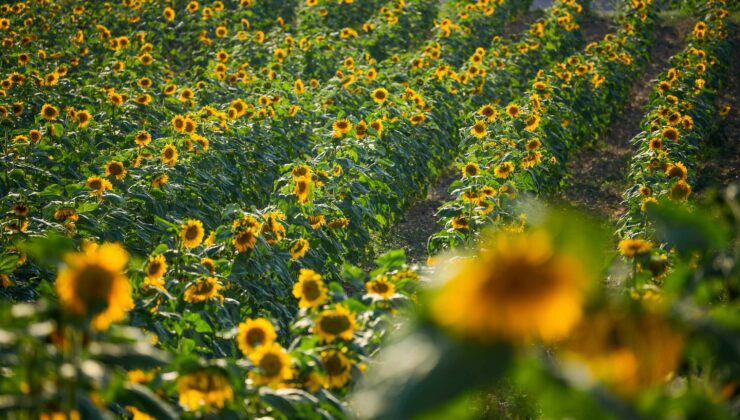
(372, 209)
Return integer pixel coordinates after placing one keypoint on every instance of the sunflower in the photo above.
(49, 112)
(532, 122)
(143, 138)
(670, 133)
(206, 388)
(680, 191)
(35, 135)
(316, 221)
(338, 368)
(479, 130)
(202, 290)
(341, 127)
(417, 119)
(377, 125)
(93, 284)
(460, 223)
(627, 352)
(533, 144)
(245, 239)
(380, 95)
(83, 118)
(302, 189)
(677, 170)
(337, 323)
(98, 185)
(273, 364)
(504, 170)
(115, 169)
(471, 170)
(191, 233)
(518, 287)
(178, 123)
(655, 143)
(156, 267)
(301, 171)
(299, 249)
(169, 155)
(254, 333)
(489, 112)
(67, 214)
(160, 180)
(513, 110)
(381, 287)
(169, 14)
(310, 289)
(298, 87)
(634, 246)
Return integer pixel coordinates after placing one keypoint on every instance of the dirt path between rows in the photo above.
(598, 172)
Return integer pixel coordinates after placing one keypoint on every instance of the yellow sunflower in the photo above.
(98, 185)
(479, 130)
(49, 112)
(341, 127)
(191, 233)
(202, 290)
(337, 323)
(273, 364)
(471, 170)
(169, 155)
(302, 189)
(245, 239)
(504, 170)
(254, 333)
(156, 267)
(513, 110)
(380, 95)
(382, 287)
(310, 289)
(93, 284)
(115, 169)
(519, 287)
(338, 368)
(206, 388)
(143, 138)
(634, 246)
(299, 249)
(626, 352)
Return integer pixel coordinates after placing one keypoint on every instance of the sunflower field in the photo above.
(201, 204)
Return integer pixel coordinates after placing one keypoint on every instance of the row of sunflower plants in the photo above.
(523, 147)
(682, 115)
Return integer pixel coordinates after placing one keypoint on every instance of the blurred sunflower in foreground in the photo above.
(93, 285)
(518, 287)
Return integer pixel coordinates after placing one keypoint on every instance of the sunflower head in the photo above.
(272, 363)
(191, 233)
(204, 389)
(338, 368)
(254, 333)
(381, 287)
(93, 284)
(310, 289)
(337, 323)
(470, 170)
(634, 246)
(517, 288)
